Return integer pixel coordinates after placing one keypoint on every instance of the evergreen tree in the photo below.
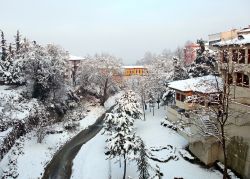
(180, 72)
(142, 162)
(11, 53)
(204, 64)
(3, 46)
(18, 43)
(122, 141)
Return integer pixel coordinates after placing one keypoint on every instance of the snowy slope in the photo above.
(31, 157)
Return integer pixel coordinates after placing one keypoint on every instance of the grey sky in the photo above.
(124, 28)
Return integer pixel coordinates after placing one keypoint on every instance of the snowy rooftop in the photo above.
(205, 84)
(133, 66)
(240, 40)
(72, 57)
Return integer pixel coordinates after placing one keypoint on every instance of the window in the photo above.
(183, 97)
(245, 81)
(242, 56)
(178, 96)
(242, 80)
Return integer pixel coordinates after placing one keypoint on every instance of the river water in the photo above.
(60, 166)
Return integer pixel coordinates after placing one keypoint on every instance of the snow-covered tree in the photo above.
(18, 41)
(100, 75)
(3, 47)
(142, 162)
(179, 72)
(204, 64)
(122, 141)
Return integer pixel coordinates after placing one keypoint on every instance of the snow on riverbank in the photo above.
(27, 159)
(91, 162)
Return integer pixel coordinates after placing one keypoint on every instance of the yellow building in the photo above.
(134, 70)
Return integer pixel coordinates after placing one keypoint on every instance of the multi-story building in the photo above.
(134, 70)
(222, 36)
(190, 52)
(234, 66)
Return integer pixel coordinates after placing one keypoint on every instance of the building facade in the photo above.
(190, 52)
(134, 70)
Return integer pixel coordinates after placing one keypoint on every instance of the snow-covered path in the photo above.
(91, 162)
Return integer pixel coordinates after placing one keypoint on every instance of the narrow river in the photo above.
(61, 165)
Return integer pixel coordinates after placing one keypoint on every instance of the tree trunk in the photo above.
(143, 107)
(225, 175)
(125, 167)
(104, 97)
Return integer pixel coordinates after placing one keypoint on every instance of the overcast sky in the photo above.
(124, 28)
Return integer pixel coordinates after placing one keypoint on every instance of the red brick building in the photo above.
(190, 52)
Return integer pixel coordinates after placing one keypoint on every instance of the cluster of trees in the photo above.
(162, 68)
(41, 69)
(100, 75)
(40, 72)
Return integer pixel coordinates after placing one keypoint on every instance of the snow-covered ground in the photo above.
(91, 162)
(27, 158)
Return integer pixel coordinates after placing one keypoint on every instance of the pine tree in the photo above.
(142, 162)
(11, 53)
(122, 141)
(3, 46)
(18, 43)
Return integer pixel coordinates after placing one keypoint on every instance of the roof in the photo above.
(240, 40)
(133, 66)
(205, 84)
(72, 57)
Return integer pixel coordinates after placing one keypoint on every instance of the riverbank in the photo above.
(27, 158)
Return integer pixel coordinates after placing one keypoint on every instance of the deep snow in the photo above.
(91, 162)
(27, 158)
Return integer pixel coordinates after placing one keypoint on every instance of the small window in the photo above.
(242, 56)
(245, 81)
(178, 96)
(183, 97)
(242, 80)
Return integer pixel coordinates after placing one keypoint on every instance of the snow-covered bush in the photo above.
(71, 125)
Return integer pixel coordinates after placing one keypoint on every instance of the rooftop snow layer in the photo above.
(72, 57)
(205, 84)
(241, 40)
(133, 66)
